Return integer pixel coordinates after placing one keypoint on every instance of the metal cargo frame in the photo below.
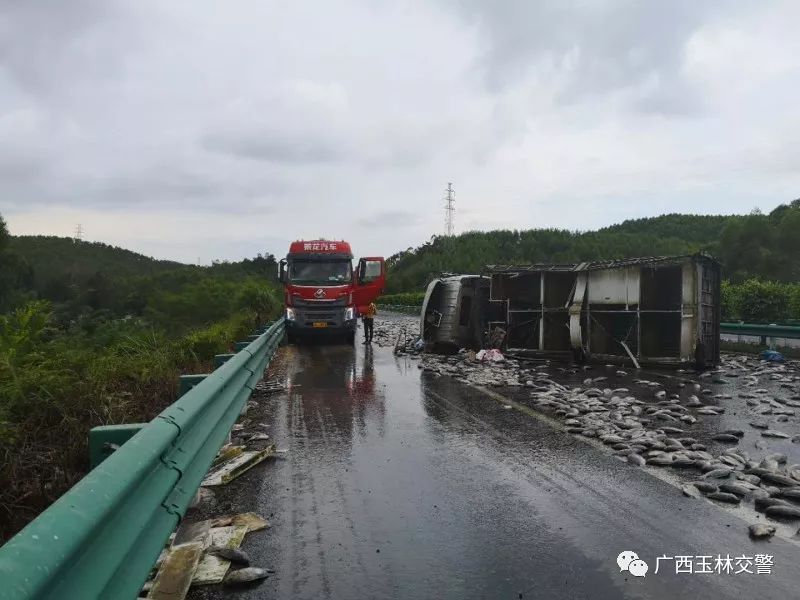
(660, 310)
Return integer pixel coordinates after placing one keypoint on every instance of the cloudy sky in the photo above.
(200, 129)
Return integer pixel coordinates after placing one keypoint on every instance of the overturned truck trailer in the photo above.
(454, 312)
(658, 310)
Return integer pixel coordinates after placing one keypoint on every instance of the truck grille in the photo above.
(308, 312)
(319, 316)
(319, 304)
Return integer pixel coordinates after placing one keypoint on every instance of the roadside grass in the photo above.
(55, 386)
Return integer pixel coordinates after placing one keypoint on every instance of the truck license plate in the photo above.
(320, 324)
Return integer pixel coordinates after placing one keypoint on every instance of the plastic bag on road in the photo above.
(492, 355)
(772, 356)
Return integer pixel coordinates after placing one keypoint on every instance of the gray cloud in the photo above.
(275, 120)
(593, 48)
(272, 146)
(390, 219)
(41, 42)
(20, 168)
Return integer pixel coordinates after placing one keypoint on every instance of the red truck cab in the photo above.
(323, 294)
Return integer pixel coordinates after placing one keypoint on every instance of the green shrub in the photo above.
(729, 301)
(403, 299)
(55, 385)
(794, 301)
(756, 301)
(260, 299)
(199, 347)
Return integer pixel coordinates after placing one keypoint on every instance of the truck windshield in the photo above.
(320, 272)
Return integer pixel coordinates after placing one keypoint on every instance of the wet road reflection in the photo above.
(401, 486)
(333, 396)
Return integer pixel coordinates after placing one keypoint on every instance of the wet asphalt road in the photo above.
(398, 485)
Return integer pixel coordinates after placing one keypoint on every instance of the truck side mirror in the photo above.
(282, 270)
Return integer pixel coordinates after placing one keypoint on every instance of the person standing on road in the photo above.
(369, 316)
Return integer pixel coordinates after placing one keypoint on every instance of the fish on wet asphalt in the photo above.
(783, 511)
(246, 575)
(660, 420)
(760, 531)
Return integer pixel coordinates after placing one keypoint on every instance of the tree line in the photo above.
(760, 247)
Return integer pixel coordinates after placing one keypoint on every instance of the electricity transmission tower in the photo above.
(449, 209)
(79, 232)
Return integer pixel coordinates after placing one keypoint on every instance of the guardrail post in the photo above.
(105, 439)
(221, 359)
(187, 382)
(238, 346)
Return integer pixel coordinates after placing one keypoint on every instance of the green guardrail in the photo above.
(779, 331)
(101, 538)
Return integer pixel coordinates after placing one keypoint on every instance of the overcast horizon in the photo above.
(196, 131)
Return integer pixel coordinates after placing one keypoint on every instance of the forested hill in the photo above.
(700, 229)
(50, 255)
(53, 264)
(754, 245)
(81, 277)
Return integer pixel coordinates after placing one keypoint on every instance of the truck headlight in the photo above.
(349, 314)
(290, 314)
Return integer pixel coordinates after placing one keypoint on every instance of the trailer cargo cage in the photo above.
(656, 310)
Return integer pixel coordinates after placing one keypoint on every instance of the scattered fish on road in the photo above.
(760, 531)
(246, 575)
